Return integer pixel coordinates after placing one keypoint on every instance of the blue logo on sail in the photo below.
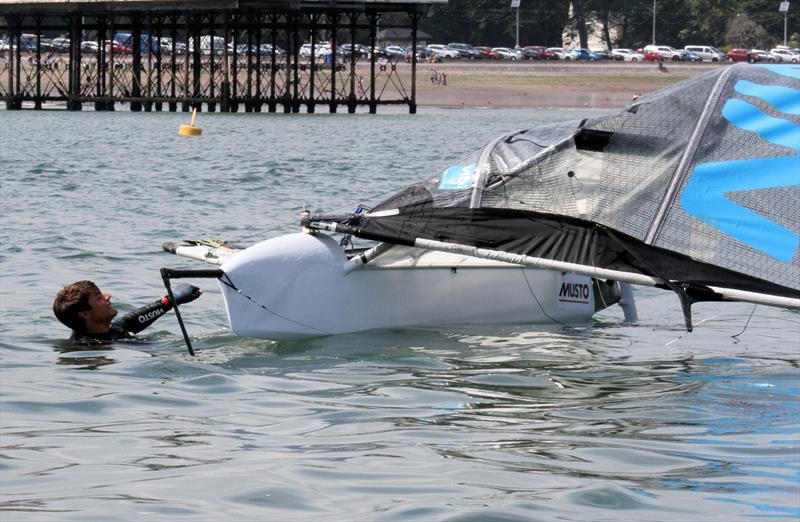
(705, 194)
(458, 177)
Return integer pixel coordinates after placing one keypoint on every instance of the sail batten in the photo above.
(688, 155)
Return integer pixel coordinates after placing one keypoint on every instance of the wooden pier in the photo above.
(226, 55)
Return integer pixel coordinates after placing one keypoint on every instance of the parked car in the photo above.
(466, 51)
(787, 55)
(488, 54)
(117, 47)
(706, 52)
(692, 57)
(534, 52)
(394, 51)
(508, 54)
(443, 51)
(320, 50)
(627, 55)
(667, 52)
(61, 44)
(604, 54)
(650, 56)
(582, 54)
(739, 55)
(559, 52)
(761, 55)
(266, 50)
(88, 46)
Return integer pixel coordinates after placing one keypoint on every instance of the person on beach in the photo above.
(88, 312)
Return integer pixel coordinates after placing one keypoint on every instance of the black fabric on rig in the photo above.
(559, 238)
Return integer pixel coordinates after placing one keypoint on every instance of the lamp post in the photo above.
(654, 22)
(784, 8)
(515, 4)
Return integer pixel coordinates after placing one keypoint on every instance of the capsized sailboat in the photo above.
(694, 188)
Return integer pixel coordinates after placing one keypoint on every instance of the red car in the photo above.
(487, 53)
(650, 56)
(538, 52)
(740, 55)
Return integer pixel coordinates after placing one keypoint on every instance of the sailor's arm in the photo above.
(139, 319)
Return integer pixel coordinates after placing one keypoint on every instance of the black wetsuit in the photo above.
(134, 322)
(124, 327)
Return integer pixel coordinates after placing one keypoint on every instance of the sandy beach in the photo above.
(601, 85)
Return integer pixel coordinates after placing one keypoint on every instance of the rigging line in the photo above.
(746, 324)
(681, 336)
(285, 224)
(230, 284)
(530, 288)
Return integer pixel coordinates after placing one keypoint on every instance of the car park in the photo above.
(667, 52)
(627, 55)
(786, 54)
(508, 54)
(739, 55)
(706, 52)
(443, 51)
(466, 51)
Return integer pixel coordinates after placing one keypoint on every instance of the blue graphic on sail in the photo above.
(458, 177)
(704, 196)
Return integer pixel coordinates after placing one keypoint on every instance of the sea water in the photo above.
(607, 421)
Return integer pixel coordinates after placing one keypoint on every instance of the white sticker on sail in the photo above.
(575, 291)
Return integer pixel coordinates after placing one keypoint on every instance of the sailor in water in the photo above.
(89, 313)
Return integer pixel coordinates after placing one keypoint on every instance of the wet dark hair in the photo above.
(71, 301)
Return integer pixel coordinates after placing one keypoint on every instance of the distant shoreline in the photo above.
(542, 85)
(601, 85)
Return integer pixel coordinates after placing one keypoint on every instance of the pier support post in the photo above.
(136, 89)
(225, 86)
(13, 101)
(412, 105)
(373, 31)
(73, 96)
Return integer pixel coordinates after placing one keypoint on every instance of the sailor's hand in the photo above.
(186, 293)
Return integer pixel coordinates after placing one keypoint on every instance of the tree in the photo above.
(743, 31)
(580, 23)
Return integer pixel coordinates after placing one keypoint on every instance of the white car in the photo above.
(706, 52)
(786, 55)
(559, 52)
(627, 55)
(760, 55)
(319, 50)
(667, 52)
(509, 54)
(443, 51)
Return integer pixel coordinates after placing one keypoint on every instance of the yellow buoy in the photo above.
(190, 130)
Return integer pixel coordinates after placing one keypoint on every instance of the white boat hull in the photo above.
(298, 286)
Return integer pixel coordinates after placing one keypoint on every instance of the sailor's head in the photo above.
(81, 305)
